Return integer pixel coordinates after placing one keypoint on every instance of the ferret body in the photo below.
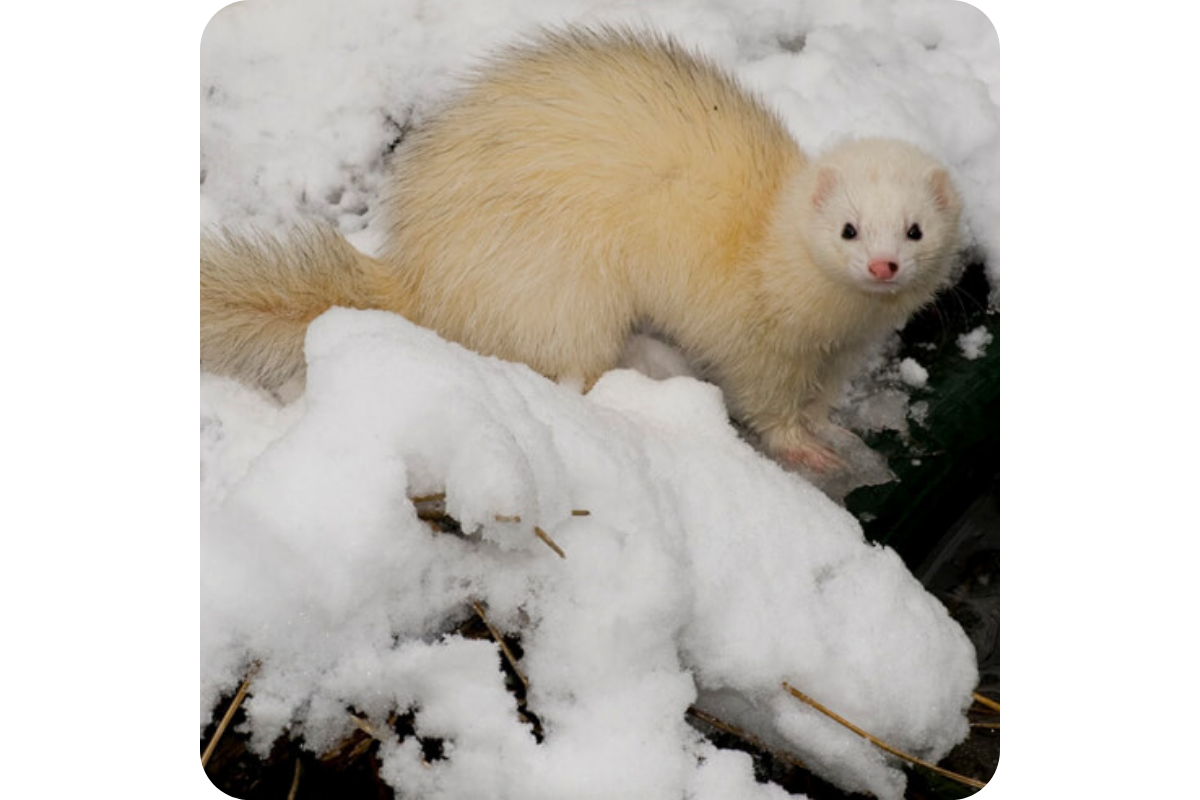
(585, 183)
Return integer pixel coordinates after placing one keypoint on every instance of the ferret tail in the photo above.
(258, 293)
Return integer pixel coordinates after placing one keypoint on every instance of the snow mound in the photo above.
(703, 575)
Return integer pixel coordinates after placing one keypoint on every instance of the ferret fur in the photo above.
(584, 182)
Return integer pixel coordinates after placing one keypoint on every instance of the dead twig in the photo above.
(579, 512)
(986, 702)
(989, 725)
(508, 654)
(349, 750)
(229, 712)
(430, 507)
(738, 733)
(295, 782)
(357, 743)
(954, 776)
(541, 534)
(365, 727)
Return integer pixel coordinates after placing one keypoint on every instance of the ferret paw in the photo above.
(796, 447)
(816, 457)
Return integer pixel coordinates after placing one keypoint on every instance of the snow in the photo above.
(704, 574)
(913, 374)
(973, 344)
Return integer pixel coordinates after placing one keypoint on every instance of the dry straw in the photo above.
(229, 712)
(954, 776)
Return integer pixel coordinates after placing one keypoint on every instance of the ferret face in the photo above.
(883, 218)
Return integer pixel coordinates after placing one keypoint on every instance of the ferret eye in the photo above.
(849, 232)
(914, 233)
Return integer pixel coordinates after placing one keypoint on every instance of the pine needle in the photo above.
(508, 654)
(229, 712)
(579, 512)
(986, 702)
(541, 534)
(508, 518)
(954, 776)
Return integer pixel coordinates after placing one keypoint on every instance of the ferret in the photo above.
(584, 182)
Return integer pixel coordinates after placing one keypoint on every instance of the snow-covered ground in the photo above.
(703, 574)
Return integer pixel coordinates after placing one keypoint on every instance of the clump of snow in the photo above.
(704, 574)
(918, 412)
(973, 344)
(882, 410)
(913, 373)
(876, 398)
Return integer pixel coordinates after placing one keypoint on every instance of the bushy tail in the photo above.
(258, 293)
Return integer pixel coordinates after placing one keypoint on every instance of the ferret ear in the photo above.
(942, 189)
(827, 181)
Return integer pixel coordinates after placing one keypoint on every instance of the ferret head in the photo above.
(881, 216)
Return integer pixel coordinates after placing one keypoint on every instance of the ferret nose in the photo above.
(883, 270)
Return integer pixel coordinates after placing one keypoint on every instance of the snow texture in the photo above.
(913, 373)
(973, 344)
(704, 573)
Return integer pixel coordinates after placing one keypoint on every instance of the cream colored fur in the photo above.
(582, 183)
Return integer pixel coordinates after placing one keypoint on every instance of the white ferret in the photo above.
(586, 182)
